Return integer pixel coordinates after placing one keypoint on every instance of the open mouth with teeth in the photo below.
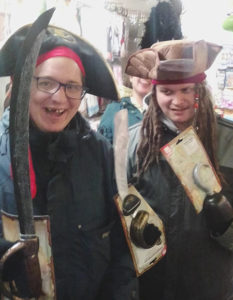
(54, 111)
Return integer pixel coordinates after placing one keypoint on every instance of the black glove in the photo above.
(13, 265)
(17, 268)
(218, 212)
(13, 269)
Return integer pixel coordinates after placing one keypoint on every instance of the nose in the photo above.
(60, 95)
(178, 98)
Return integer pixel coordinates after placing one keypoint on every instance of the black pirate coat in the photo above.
(74, 180)
(196, 265)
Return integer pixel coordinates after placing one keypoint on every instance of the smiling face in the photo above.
(177, 103)
(53, 112)
(140, 86)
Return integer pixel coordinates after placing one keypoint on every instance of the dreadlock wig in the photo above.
(152, 129)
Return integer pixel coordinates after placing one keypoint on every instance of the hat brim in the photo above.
(99, 77)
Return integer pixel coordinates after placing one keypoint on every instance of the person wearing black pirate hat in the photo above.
(71, 171)
(199, 259)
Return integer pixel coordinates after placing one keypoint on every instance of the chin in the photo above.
(54, 130)
(50, 129)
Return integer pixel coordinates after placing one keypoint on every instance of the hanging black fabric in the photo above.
(163, 25)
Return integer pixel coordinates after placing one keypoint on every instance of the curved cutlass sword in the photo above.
(121, 139)
(143, 228)
(19, 119)
(120, 143)
(19, 142)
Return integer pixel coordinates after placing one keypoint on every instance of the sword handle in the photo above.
(32, 266)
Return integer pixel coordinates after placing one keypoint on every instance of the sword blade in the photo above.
(19, 119)
(120, 144)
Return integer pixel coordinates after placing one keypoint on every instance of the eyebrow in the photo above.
(68, 82)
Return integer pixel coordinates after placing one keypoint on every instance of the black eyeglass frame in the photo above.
(60, 84)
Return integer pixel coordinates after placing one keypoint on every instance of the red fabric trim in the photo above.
(32, 175)
(194, 79)
(61, 51)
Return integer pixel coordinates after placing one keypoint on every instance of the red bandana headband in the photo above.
(61, 51)
(194, 79)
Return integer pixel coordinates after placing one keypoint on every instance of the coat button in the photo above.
(105, 235)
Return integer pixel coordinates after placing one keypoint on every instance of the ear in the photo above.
(143, 63)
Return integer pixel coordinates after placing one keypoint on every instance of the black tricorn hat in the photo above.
(99, 77)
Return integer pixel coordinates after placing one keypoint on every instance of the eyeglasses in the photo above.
(51, 86)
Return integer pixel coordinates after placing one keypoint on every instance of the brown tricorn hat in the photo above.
(99, 77)
(173, 60)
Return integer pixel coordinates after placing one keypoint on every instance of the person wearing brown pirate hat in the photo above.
(199, 260)
(71, 171)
